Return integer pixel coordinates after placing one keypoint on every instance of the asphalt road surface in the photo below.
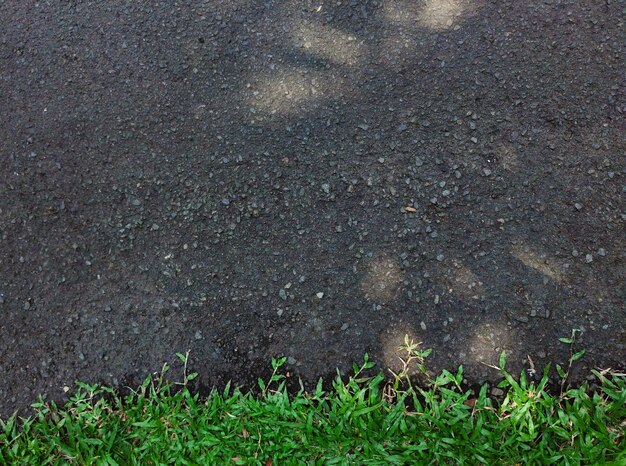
(313, 179)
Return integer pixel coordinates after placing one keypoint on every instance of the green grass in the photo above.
(364, 420)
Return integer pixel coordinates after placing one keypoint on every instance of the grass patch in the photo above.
(365, 420)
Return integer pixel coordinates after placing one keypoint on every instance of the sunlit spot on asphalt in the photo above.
(328, 43)
(441, 14)
(461, 281)
(291, 90)
(383, 280)
(538, 261)
(507, 157)
(487, 341)
(437, 15)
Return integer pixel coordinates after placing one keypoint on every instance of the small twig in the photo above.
(490, 365)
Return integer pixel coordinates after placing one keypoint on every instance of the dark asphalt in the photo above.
(312, 179)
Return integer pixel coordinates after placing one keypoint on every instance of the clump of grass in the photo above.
(366, 419)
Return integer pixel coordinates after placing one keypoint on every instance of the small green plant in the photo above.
(274, 378)
(573, 357)
(184, 358)
(414, 356)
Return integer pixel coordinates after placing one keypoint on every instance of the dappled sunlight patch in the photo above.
(507, 157)
(327, 43)
(412, 21)
(291, 91)
(487, 341)
(442, 14)
(437, 15)
(383, 280)
(461, 281)
(538, 261)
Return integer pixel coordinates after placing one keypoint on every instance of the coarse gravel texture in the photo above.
(311, 179)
